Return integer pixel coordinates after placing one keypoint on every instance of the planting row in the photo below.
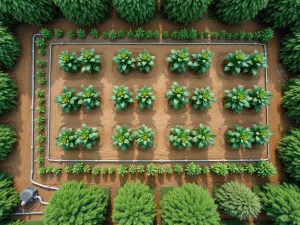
(235, 99)
(262, 169)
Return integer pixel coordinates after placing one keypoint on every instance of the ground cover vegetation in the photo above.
(8, 137)
(8, 93)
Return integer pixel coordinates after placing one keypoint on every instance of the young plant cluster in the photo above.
(179, 61)
(239, 62)
(186, 138)
(88, 61)
(69, 101)
(239, 98)
(240, 137)
(126, 63)
(80, 168)
(201, 99)
(50, 170)
(40, 120)
(124, 137)
(85, 137)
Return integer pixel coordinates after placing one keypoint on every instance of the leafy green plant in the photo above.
(136, 12)
(139, 208)
(189, 204)
(95, 170)
(168, 169)
(41, 63)
(156, 34)
(266, 35)
(8, 93)
(220, 169)
(120, 34)
(255, 62)
(130, 34)
(122, 97)
(86, 14)
(144, 137)
(145, 61)
(111, 170)
(89, 97)
(81, 34)
(77, 168)
(94, 33)
(174, 35)
(178, 168)
(104, 35)
(192, 34)
(139, 34)
(68, 100)
(41, 43)
(202, 98)
(39, 149)
(148, 34)
(40, 138)
(46, 33)
(68, 168)
(151, 169)
(260, 98)
(87, 137)
(8, 137)
(124, 61)
(177, 96)
(123, 138)
(122, 170)
(201, 61)
(112, 35)
(42, 52)
(178, 60)
(40, 120)
(71, 34)
(236, 62)
(66, 139)
(237, 99)
(87, 169)
(94, 199)
(145, 97)
(192, 169)
(261, 133)
(140, 168)
(132, 169)
(90, 61)
(41, 80)
(68, 62)
(235, 169)
(104, 170)
(58, 33)
(202, 136)
(265, 169)
(165, 34)
(160, 169)
(237, 200)
(240, 137)
(180, 137)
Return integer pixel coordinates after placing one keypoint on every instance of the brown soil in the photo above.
(161, 117)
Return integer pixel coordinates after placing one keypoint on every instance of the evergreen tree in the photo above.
(244, 10)
(134, 204)
(32, 12)
(289, 152)
(84, 12)
(290, 51)
(188, 205)
(8, 93)
(10, 49)
(77, 204)
(185, 11)
(7, 139)
(237, 200)
(282, 13)
(281, 203)
(136, 12)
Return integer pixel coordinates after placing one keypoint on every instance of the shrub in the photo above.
(90, 61)
(235, 62)
(220, 169)
(87, 137)
(187, 11)
(145, 61)
(201, 61)
(276, 14)
(289, 152)
(237, 99)
(144, 137)
(237, 200)
(123, 138)
(81, 33)
(136, 12)
(68, 100)
(244, 10)
(145, 97)
(66, 139)
(290, 51)
(260, 98)
(291, 99)
(202, 98)
(29, 12)
(10, 49)
(235, 169)
(8, 93)
(261, 133)
(189, 204)
(177, 96)
(124, 61)
(8, 137)
(139, 207)
(191, 169)
(178, 60)
(9, 197)
(89, 97)
(86, 204)
(265, 169)
(239, 137)
(83, 13)
(121, 97)
(255, 61)
(68, 62)
(94, 33)
(180, 137)
(202, 136)
(58, 33)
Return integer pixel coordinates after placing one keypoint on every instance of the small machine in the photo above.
(30, 194)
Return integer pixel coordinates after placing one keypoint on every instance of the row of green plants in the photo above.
(262, 169)
(69, 101)
(84, 137)
(40, 119)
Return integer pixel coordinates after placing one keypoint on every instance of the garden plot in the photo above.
(162, 117)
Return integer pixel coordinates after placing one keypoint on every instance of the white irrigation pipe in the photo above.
(149, 160)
